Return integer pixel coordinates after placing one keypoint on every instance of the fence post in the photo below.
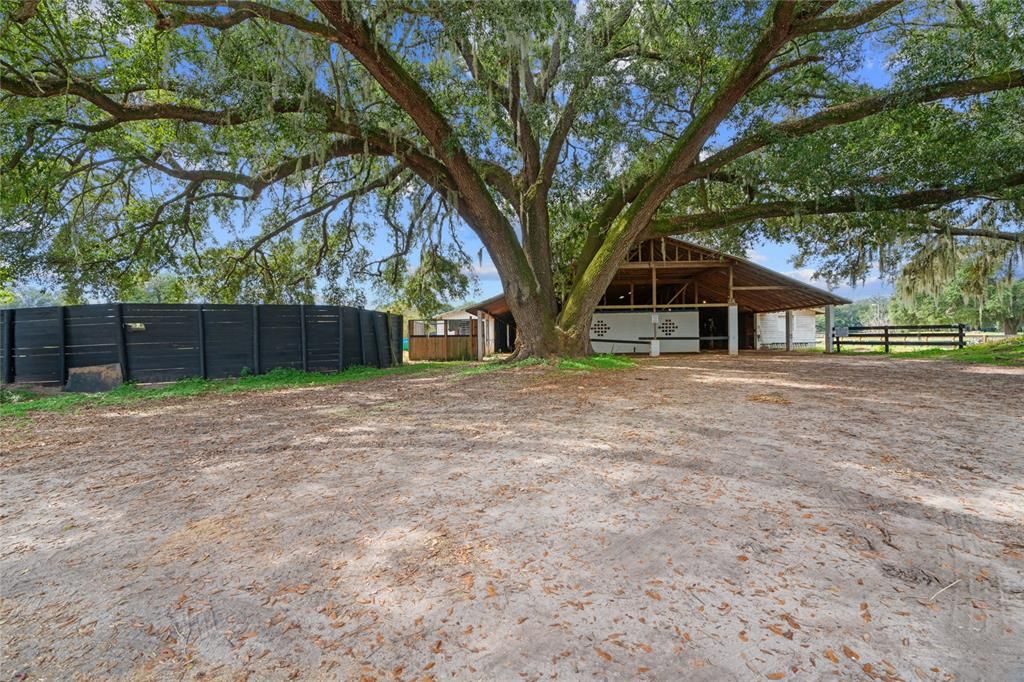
(255, 339)
(122, 346)
(885, 331)
(201, 327)
(341, 340)
(62, 339)
(388, 333)
(838, 340)
(302, 333)
(364, 357)
(401, 351)
(7, 343)
(960, 340)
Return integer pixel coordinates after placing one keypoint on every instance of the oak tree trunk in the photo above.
(539, 333)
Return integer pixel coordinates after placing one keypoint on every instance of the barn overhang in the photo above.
(667, 272)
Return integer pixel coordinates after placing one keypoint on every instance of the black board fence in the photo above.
(167, 342)
(887, 336)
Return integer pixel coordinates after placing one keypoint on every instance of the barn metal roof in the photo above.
(712, 273)
(793, 294)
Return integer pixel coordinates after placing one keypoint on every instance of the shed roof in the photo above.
(755, 287)
(791, 293)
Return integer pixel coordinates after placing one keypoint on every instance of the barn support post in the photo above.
(789, 330)
(7, 343)
(654, 287)
(829, 324)
(734, 331)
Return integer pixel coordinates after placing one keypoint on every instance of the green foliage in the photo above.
(438, 279)
(865, 312)
(999, 306)
(952, 282)
(161, 288)
(30, 297)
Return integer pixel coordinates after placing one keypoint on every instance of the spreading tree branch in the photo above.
(850, 112)
(859, 203)
(121, 112)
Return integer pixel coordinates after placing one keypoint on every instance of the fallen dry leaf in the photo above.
(604, 654)
(850, 653)
(772, 398)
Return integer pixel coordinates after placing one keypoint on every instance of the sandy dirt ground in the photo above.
(698, 517)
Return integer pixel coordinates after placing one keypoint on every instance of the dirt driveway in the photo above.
(698, 517)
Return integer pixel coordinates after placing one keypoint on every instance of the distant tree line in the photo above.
(1000, 308)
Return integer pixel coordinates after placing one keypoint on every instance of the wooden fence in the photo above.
(442, 339)
(166, 342)
(887, 336)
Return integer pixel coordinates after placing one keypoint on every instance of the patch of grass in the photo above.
(588, 363)
(1007, 353)
(10, 396)
(130, 393)
(495, 365)
(597, 362)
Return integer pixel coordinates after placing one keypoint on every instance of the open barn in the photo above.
(673, 296)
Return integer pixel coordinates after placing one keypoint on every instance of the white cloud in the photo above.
(757, 257)
(485, 271)
(805, 275)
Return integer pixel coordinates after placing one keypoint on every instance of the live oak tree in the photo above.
(948, 280)
(260, 147)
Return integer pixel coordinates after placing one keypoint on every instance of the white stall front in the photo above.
(632, 332)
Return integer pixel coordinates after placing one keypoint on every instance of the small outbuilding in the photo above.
(673, 296)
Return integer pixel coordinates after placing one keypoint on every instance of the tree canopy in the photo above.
(265, 150)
